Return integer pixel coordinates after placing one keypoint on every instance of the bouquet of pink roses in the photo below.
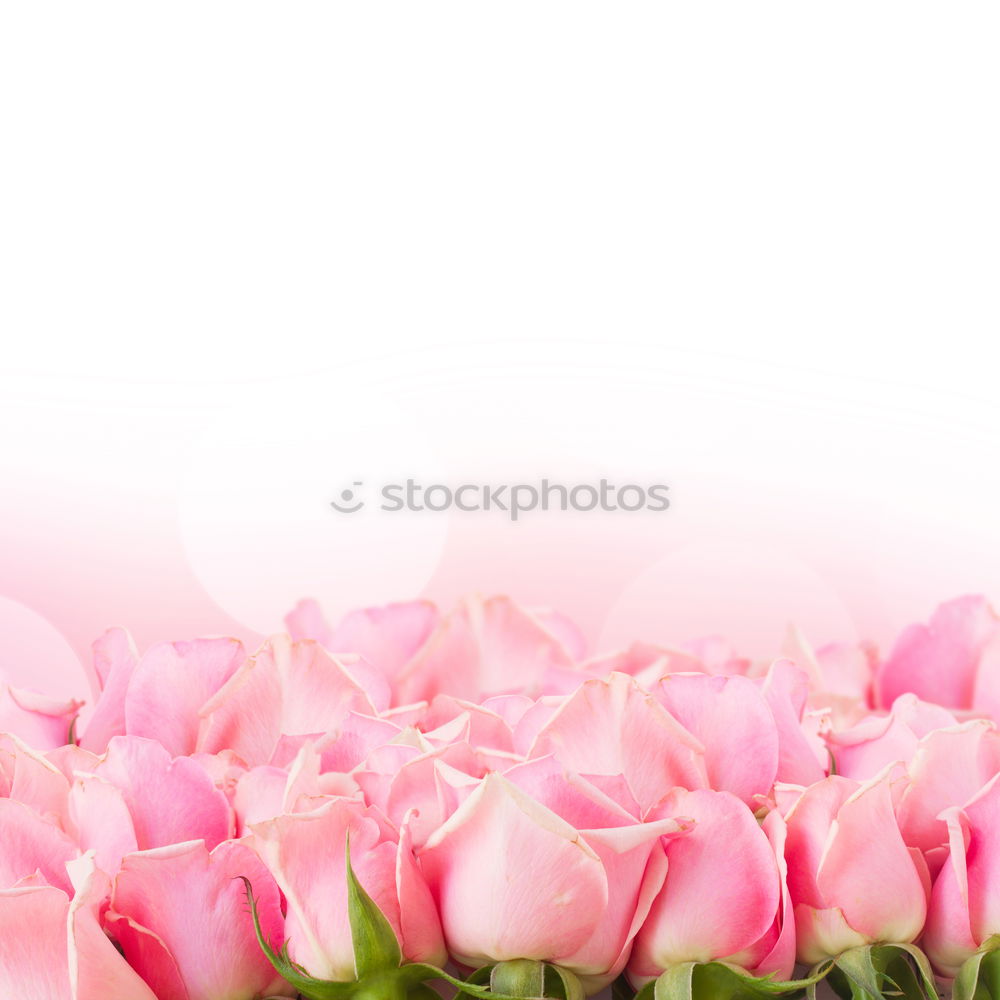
(412, 804)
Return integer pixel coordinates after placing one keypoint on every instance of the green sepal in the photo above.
(401, 981)
(870, 972)
(375, 946)
(473, 986)
(855, 975)
(379, 981)
(566, 984)
(646, 993)
(721, 981)
(521, 977)
(979, 976)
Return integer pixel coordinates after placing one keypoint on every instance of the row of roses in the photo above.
(659, 817)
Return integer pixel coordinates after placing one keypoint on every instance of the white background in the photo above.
(250, 253)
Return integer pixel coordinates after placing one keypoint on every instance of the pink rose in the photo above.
(732, 720)
(486, 647)
(947, 769)
(852, 879)
(136, 797)
(965, 903)
(287, 689)
(954, 660)
(169, 685)
(542, 865)
(725, 896)
(877, 740)
(614, 728)
(386, 637)
(52, 946)
(306, 853)
(115, 657)
(180, 914)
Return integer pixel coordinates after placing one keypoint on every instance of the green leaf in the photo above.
(375, 946)
(294, 975)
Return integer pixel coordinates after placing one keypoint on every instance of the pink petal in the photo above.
(96, 970)
(387, 637)
(948, 937)
(40, 721)
(486, 728)
(848, 669)
(801, 761)
(33, 959)
(810, 822)
(949, 767)
(823, 933)
(732, 720)
(938, 661)
(115, 658)
(29, 777)
(170, 800)
(613, 727)
(32, 844)
(625, 847)
(52, 948)
(181, 916)
(171, 683)
(983, 860)
(723, 886)
(102, 820)
(564, 629)
(866, 748)
(867, 870)
(484, 647)
(986, 694)
(286, 689)
(779, 960)
(422, 937)
(542, 901)
(306, 854)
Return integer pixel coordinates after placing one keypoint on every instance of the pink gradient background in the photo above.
(846, 506)
(246, 263)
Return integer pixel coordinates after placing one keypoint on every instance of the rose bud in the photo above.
(965, 903)
(852, 879)
(543, 866)
(725, 897)
(307, 854)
